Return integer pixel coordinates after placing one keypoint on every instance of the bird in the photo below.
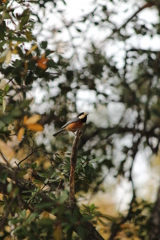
(74, 124)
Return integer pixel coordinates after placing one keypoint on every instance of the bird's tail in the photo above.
(58, 132)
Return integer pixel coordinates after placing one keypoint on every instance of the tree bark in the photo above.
(154, 232)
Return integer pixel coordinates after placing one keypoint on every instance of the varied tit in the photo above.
(74, 124)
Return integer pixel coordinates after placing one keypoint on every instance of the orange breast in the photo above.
(72, 127)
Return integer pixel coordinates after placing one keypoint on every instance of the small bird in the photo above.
(74, 124)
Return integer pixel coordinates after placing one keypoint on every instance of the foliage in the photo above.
(66, 67)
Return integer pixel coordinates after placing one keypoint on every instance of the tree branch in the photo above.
(130, 18)
(154, 221)
(73, 161)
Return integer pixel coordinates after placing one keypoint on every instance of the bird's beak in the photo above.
(87, 114)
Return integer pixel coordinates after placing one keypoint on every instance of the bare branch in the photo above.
(73, 161)
(4, 158)
(129, 19)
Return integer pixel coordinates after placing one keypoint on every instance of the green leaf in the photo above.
(63, 197)
(95, 159)
(24, 18)
(26, 103)
(34, 165)
(6, 15)
(19, 39)
(9, 187)
(44, 175)
(31, 217)
(23, 214)
(16, 112)
(30, 78)
(3, 176)
(44, 44)
(6, 88)
(92, 207)
(44, 205)
(45, 222)
(52, 64)
(3, 55)
(46, 181)
(2, 203)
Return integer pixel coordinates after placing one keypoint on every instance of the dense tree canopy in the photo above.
(104, 60)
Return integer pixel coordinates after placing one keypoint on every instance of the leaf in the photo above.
(6, 88)
(52, 64)
(32, 49)
(42, 63)
(57, 234)
(16, 112)
(24, 18)
(20, 134)
(95, 159)
(3, 176)
(3, 56)
(19, 39)
(6, 15)
(44, 175)
(29, 36)
(92, 207)
(4, 105)
(63, 197)
(33, 119)
(25, 119)
(44, 44)
(26, 103)
(8, 57)
(46, 222)
(31, 217)
(9, 187)
(35, 127)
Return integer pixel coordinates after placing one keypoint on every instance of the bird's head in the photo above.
(83, 116)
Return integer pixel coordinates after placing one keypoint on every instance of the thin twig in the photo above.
(37, 150)
(7, 212)
(117, 30)
(4, 158)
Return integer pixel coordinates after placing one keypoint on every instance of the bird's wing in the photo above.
(69, 122)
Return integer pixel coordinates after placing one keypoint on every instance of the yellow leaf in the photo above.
(10, 44)
(15, 45)
(4, 104)
(24, 119)
(45, 215)
(20, 133)
(35, 127)
(32, 49)
(33, 119)
(8, 57)
(14, 51)
(57, 234)
(29, 36)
